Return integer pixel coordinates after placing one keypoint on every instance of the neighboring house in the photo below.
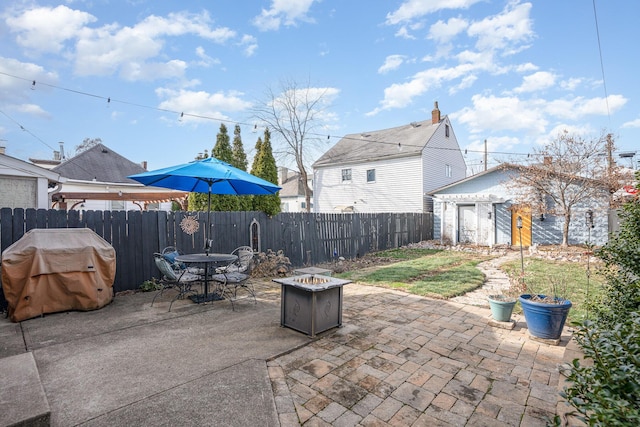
(390, 170)
(24, 185)
(96, 179)
(482, 210)
(292, 197)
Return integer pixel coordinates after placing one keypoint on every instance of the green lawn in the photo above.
(427, 272)
(445, 274)
(569, 279)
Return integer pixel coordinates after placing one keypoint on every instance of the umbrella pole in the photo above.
(207, 244)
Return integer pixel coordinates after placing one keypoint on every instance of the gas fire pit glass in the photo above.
(311, 280)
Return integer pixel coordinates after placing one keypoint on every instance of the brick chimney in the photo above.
(144, 164)
(283, 175)
(435, 114)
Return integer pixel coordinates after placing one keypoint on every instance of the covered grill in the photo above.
(52, 270)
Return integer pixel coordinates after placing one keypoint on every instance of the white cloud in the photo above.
(136, 71)
(494, 114)
(578, 107)
(500, 34)
(249, 44)
(632, 124)
(525, 68)
(571, 84)
(111, 48)
(16, 93)
(443, 32)
(205, 60)
(46, 29)
(414, 9)
(400, 95)
(391, 62)
(506, 31)
(283, 12)
(404, 33)
(465, 83)
(201, 103)
(536, 82)
(108, 49)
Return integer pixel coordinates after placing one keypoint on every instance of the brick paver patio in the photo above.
(404, 360)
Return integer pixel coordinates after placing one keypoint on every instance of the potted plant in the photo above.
(502, 304)
(501, 307)
(545, 314)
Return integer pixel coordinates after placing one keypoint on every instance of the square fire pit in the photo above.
(311, 304)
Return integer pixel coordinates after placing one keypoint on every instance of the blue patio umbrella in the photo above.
(211, 176)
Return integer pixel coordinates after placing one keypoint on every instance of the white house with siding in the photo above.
(389, 170)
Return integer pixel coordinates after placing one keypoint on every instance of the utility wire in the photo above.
(604, 81)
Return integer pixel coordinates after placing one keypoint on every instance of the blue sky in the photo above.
(512, 72)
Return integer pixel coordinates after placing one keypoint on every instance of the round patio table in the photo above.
(206, 260)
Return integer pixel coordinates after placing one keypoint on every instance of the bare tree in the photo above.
(567, 173)
(296, 114)
(86, 144)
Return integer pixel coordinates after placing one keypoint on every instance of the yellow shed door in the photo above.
(524, 213)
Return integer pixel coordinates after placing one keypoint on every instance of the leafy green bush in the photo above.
(607, 391)
(150, 285)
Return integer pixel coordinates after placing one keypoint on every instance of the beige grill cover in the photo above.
(52, 270)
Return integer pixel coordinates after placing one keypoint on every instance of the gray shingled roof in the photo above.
(380, 144)
(100, 163)
(292, 187)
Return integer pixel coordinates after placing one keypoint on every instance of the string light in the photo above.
(362, 136)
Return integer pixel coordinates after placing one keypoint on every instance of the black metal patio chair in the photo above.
(181, 280)
(236, 276)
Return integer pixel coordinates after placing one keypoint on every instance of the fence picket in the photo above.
(306, 238)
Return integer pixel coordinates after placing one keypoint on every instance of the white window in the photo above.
(446, 131)
(346, 175)
(371, 175)
(117, 205)
(448, 171)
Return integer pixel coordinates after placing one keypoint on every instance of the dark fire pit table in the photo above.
(311, 304)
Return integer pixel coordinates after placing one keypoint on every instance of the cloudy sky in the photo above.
(154, 80)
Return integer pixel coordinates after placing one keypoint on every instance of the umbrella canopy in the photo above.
(211, 176)
(207, 176)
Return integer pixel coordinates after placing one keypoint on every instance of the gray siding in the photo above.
(18, 192)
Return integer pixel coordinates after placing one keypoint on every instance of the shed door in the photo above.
(525, 213)
(466, 224)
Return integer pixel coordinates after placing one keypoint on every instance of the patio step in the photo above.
(22, 399)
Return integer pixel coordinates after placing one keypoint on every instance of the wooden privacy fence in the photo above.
(306, 238)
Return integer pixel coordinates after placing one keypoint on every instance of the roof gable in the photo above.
(501, 171)
(13, 166)
(401, 141)
(101, 164)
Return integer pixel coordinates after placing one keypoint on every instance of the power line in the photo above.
(604, 81)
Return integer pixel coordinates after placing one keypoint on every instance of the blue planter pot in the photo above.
(545, 320)
(501, 307)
